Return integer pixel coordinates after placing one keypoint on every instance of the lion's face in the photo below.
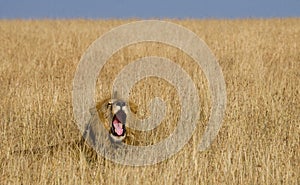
(114, 115)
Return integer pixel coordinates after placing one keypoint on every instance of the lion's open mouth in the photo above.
(118, 126)
(118, 123)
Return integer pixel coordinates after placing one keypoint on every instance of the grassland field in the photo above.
(258, 143)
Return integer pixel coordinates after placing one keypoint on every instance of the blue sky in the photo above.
(148, 9)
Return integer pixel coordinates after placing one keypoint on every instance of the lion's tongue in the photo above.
(118, 127)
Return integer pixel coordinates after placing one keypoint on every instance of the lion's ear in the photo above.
(133, 107)
(93, 110)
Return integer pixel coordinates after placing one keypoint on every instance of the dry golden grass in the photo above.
(257, 144)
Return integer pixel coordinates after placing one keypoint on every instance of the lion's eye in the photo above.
(109, 104)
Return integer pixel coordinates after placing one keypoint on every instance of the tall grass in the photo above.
(257, 144)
